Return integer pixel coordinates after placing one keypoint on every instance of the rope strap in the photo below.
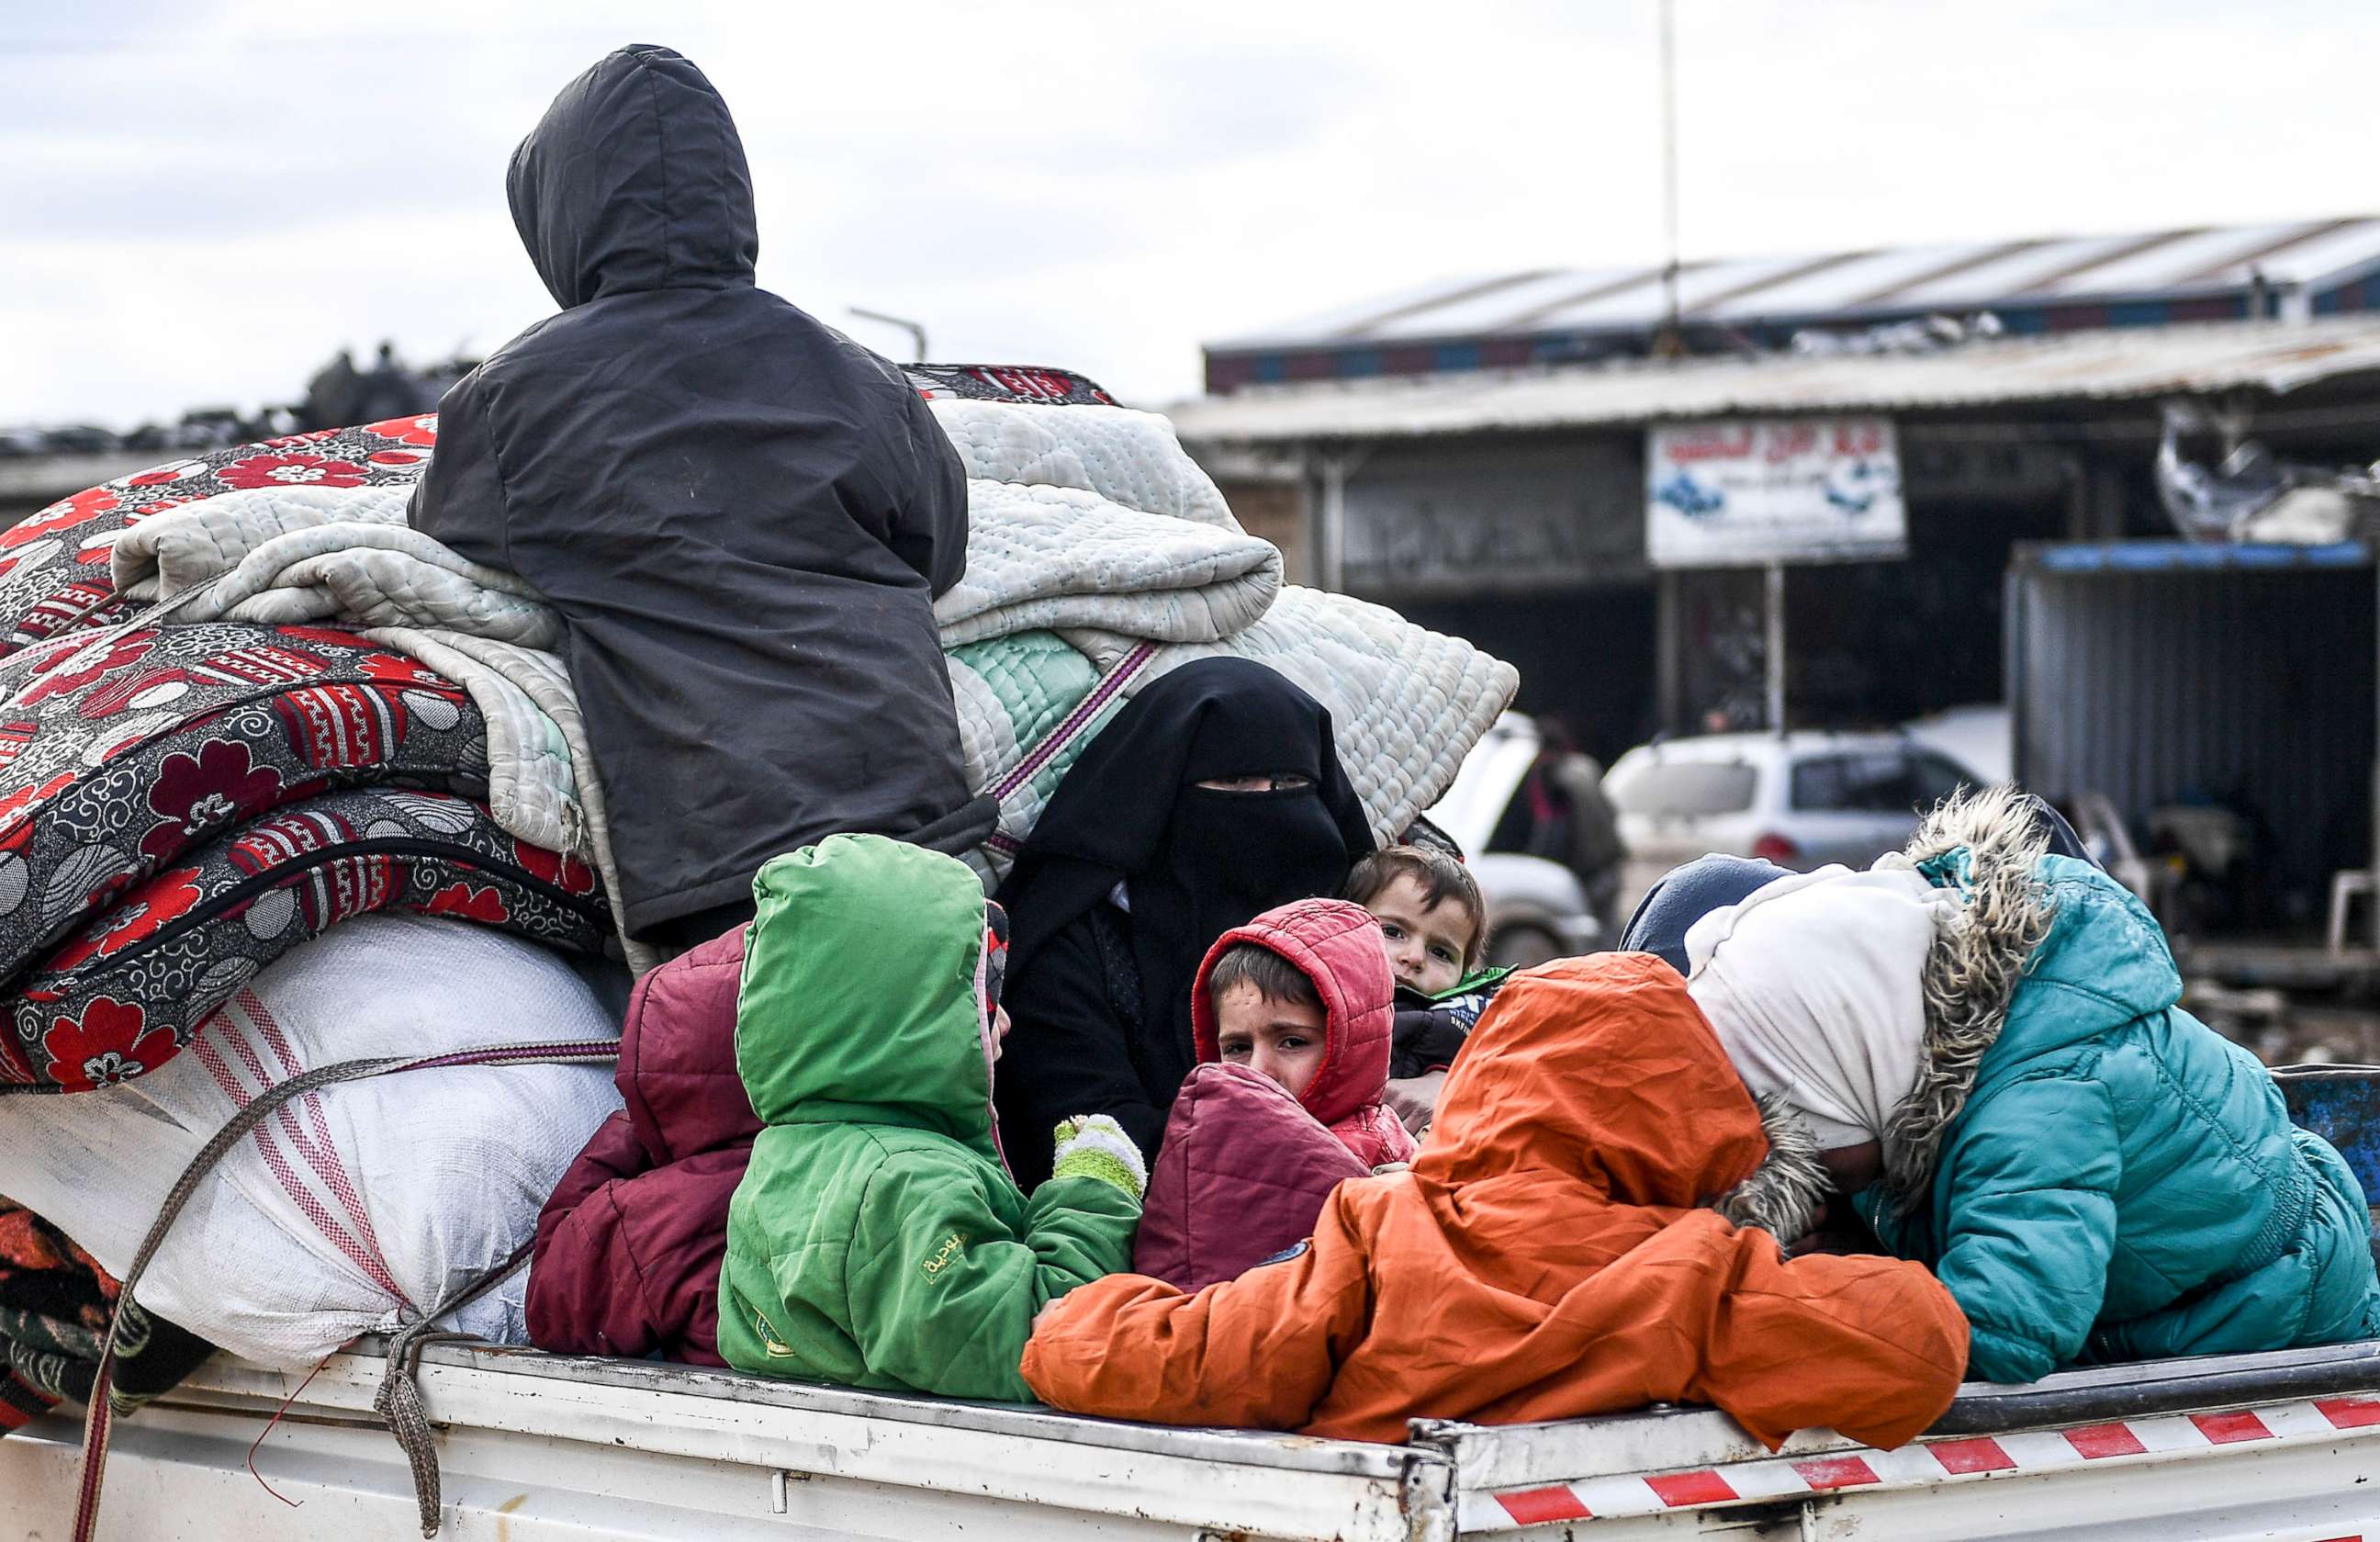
(399, 1400)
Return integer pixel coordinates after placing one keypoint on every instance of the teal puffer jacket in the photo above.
(2121, 1183)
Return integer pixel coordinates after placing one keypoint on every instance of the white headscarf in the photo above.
(1815, 986)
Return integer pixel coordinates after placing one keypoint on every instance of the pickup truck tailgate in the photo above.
(2280, 1445)
(536, 1448)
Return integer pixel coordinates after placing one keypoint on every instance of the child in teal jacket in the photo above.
(2095, 1176)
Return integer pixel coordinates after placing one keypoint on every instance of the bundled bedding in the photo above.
(296, 641)
(130, 989)
(184, 803)
(121, 751)
(56, 1305)
(1099, 556)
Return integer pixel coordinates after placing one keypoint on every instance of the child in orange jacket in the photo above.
(1592, 1227)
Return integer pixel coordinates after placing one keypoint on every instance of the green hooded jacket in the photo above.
(876, 1239)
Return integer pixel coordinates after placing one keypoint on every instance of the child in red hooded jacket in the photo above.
(1292, 1022)
(1302, 995)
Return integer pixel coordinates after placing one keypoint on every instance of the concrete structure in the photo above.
(1509, 506)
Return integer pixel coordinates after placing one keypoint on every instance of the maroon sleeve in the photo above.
(583, 1295)
(628, 1261)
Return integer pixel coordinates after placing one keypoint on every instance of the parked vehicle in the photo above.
(1536, 909)
(1978, 736)
(1802, 800)
(79, 439)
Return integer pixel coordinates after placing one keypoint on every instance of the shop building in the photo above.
(1511, 504)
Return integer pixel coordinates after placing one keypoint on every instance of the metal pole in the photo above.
(1333, 547)
(2016, 679)
(1672, 340)
(1775, 650)
(2374, 901)
(1668, 652)
(916, 330)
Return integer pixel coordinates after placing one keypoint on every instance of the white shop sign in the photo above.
(1757, 492)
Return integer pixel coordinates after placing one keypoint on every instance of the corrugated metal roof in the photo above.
(2104, 365)
(2150, 265)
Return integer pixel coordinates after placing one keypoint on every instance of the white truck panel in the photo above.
(535, 1448)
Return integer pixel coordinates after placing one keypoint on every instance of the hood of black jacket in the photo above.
(635, 180)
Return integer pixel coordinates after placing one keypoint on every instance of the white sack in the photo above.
(355, 1207)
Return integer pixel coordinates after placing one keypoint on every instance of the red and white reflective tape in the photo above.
(1925, 1463)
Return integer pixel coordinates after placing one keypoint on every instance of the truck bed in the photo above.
(2282, 1447)
(537, 1447)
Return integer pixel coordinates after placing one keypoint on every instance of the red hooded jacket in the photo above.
(1338, 947)
(629, 1247)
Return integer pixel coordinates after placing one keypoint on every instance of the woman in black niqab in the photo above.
(1215, 795)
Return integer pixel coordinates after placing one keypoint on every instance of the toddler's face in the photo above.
(1427, 942)
(1279, 1039)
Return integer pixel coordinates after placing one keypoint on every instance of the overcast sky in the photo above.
(199, 201)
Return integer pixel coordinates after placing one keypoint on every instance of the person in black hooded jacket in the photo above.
(742, 515)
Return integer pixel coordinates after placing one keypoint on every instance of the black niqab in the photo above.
(1194, 862)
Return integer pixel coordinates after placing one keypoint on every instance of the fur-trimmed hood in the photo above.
(1987, 847)
(1784, 1192)
(2093, 1173)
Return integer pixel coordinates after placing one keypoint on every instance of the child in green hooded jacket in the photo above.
(876, 1239)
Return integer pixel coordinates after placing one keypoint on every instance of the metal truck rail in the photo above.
(539, 1448)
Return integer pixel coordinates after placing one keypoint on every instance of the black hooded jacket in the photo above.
(742, 515)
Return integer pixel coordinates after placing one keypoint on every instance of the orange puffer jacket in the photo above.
(1548, 1257)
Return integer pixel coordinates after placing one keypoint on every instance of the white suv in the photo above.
(1801, 800)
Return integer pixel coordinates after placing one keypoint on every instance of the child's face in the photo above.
(1427, 942)
(1279, 1039)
